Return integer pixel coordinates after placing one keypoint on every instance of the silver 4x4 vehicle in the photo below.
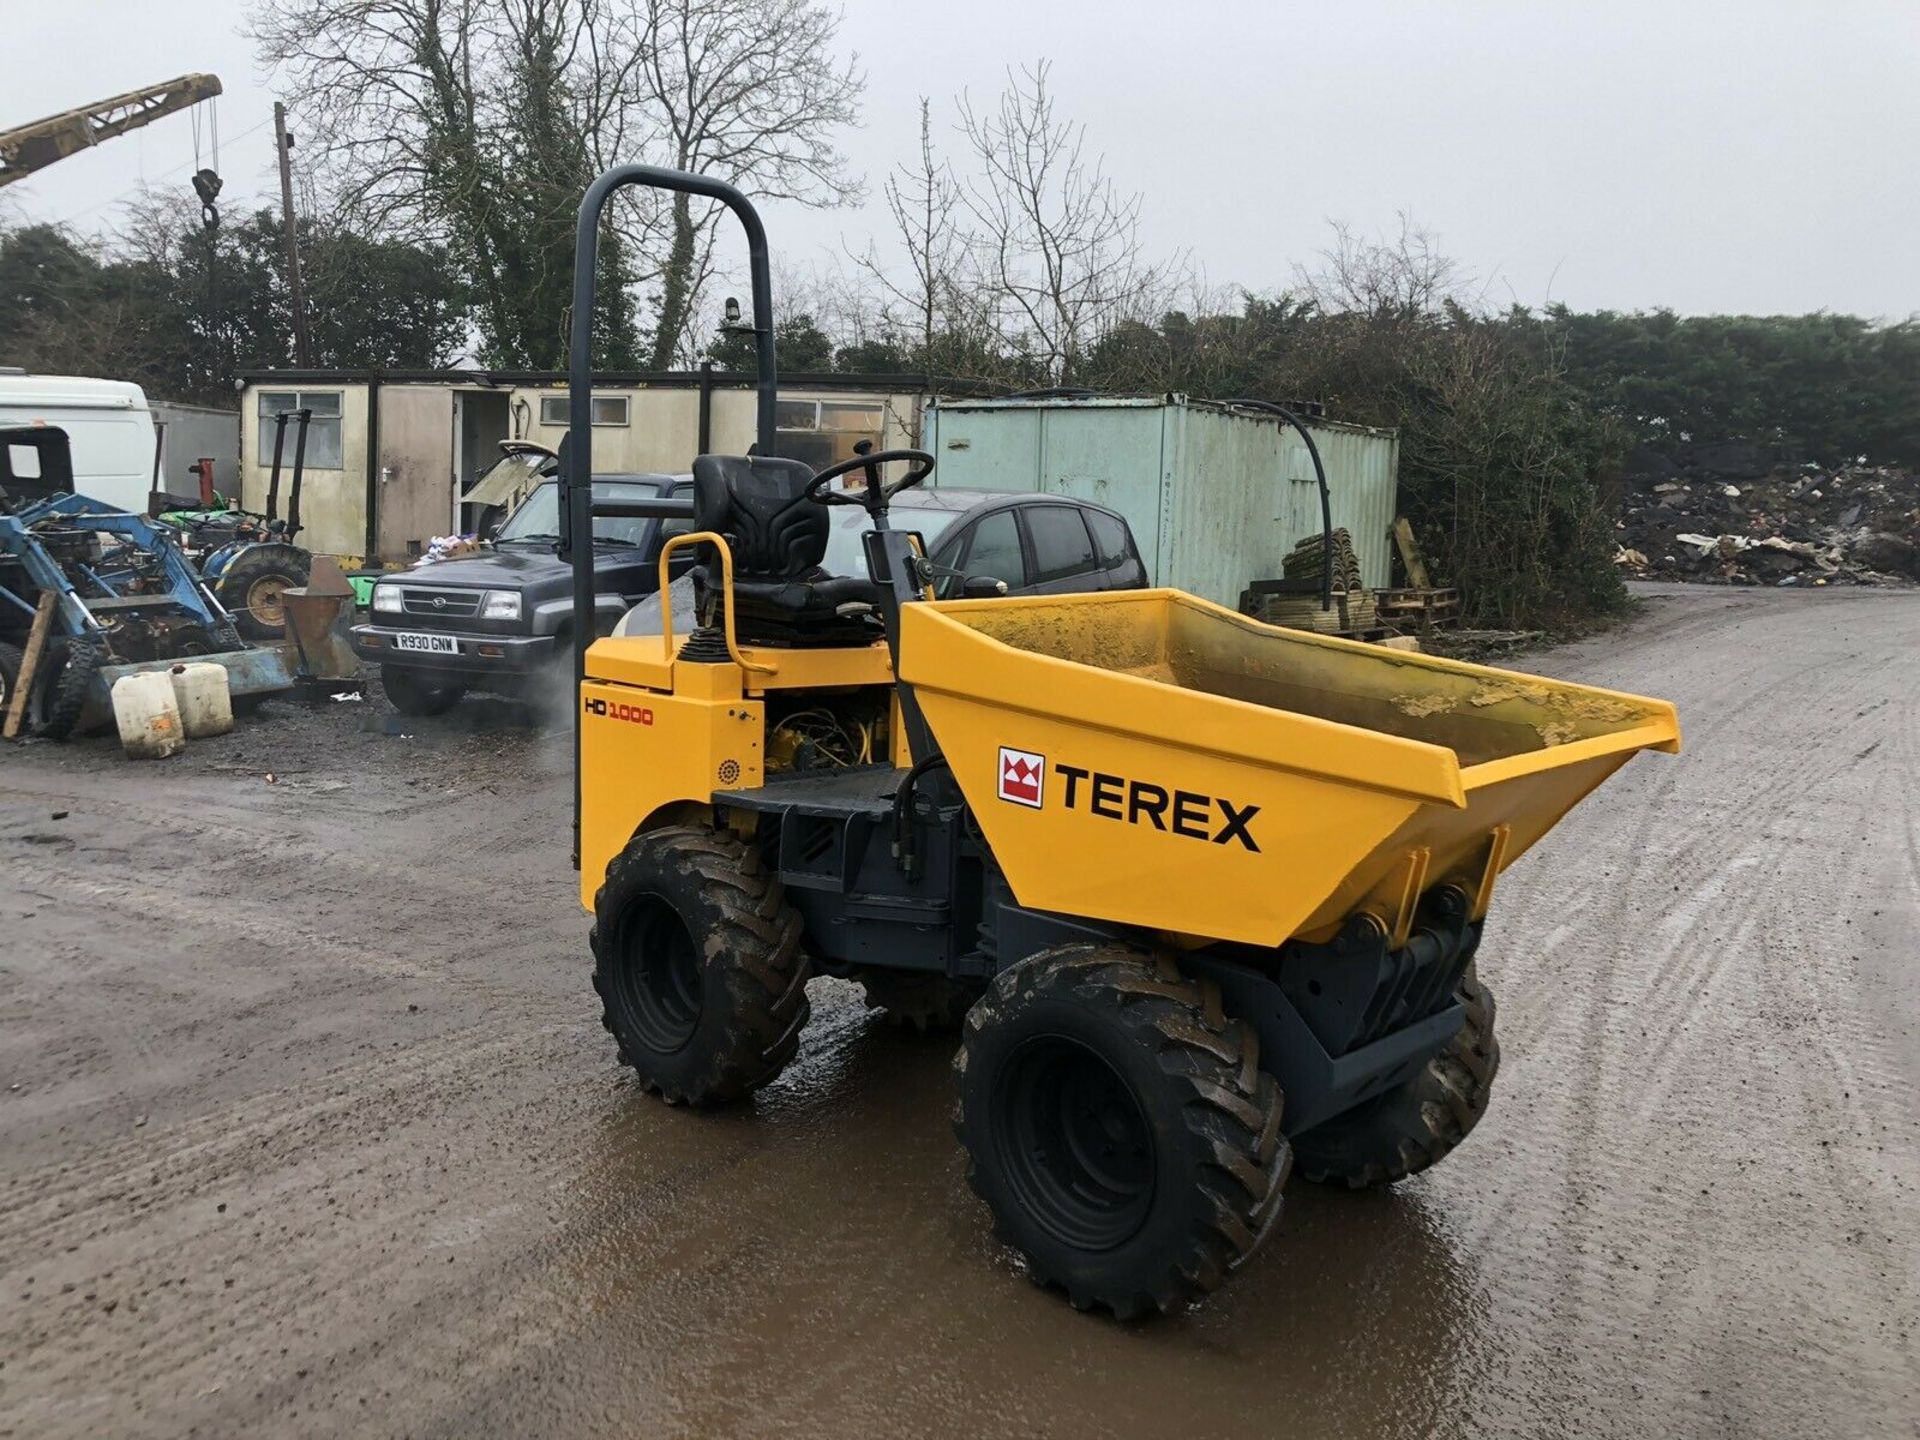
(1034, 544)
(502, 620)
(1031, 544)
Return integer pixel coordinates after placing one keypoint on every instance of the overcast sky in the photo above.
(1754, 157)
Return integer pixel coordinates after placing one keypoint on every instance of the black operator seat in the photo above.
(780, 592)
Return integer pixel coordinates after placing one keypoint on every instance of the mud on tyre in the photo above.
(1119, 1127)
(1418, 1124)
(698, 965)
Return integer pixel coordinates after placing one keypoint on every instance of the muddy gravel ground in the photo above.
(308, 1124)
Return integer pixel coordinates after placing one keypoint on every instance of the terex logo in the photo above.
(1023, 777)
(617, 710)
(1181, 812)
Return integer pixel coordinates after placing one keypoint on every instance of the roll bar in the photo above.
(576, 453)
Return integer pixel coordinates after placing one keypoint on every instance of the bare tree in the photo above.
(478, 124)
(1056, 240)
(1393, 278)
(475, 124)
(747, 91)
(827, 297)
(925, 202)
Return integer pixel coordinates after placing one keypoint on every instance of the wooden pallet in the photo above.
(1422, 607)
(1353, 614)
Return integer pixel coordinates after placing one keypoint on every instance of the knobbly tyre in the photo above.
(1206, 896)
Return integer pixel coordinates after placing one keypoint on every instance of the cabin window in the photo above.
(824, 432)
(606, 410)
(23, 462)
(323, 431)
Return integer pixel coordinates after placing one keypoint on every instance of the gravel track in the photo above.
(308, 1126)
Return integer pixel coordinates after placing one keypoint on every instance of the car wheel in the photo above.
(413, 693)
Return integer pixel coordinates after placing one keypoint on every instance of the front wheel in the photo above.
(1119, 1127)
(60, 689)
(697, 962)
(1420, 1123)
(413, 693)
(548, 687)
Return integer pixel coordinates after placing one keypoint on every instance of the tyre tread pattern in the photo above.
(1232, 1111)
(64, 697)
(753, 947)
(1419, 1125)
(251, 566)
(927, 1004)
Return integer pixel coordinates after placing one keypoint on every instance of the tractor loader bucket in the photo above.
(1149, 758)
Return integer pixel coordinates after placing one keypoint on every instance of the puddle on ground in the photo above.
(818, 1258)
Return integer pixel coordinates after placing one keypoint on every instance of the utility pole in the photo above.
(302, 350)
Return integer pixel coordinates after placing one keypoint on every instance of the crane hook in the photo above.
(206, 184)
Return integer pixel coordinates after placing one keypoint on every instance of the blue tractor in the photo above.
(124, 596)
(249, 560)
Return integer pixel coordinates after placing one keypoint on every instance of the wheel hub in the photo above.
(265, 600)
(660, 979)
(1075, 1143)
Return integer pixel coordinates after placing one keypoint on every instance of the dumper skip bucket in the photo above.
(1152, 759)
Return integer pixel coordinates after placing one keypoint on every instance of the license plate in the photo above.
(431, 644)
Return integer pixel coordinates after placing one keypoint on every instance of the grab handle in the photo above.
(719, 543)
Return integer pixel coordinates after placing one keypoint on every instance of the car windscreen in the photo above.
(844, 553)
(539, 517)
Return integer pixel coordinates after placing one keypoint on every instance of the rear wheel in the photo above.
(1119, 1127)
(254, 587)
(698, 966)
(413, 692)
(930, 1004)
(1419, 1124)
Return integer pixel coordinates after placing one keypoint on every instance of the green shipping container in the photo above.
(1215, 496)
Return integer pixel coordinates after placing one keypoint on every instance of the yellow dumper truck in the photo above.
(1204, 896)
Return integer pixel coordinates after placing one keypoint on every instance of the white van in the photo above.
(107, 421)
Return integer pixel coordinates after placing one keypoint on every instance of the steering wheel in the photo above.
(874, 494)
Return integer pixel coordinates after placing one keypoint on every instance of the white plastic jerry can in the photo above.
(148, 716)
(206, 704)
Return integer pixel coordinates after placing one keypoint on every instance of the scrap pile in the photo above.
(452, 547)
(1723, 514)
